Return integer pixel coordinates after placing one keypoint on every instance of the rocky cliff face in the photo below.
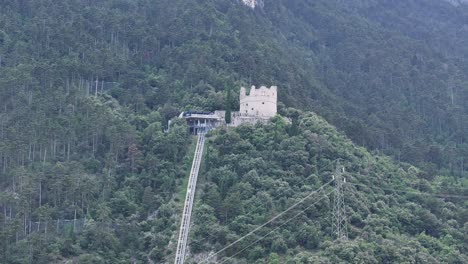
(250, 3)
(253, 3)
(457, 2)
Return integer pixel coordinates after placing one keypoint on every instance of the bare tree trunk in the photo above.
(4, 214)
(21, 183)
(96, 89)
(68, 150)
(2, 130)
(40, 192)
(452, 95)
(4, 164)
(462, 166)
(14, 182)
(93, 138)
(24, 224)
(87, 89)
(55, 147)
(30, 97)
(74, 222)
(68, 86)
(30, 152)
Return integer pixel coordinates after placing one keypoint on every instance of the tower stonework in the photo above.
(261, 102)
(258, 106)
(254, 3)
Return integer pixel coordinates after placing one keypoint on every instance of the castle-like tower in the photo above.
(259, 102)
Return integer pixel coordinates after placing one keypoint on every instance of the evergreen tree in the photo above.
(227, 116)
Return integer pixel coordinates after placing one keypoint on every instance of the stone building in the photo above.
(259, 105)
(259, 102)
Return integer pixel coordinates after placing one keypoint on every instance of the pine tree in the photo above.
(227, 115)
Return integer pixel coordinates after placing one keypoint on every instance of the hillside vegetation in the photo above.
(254, 173)
(392, 76)
(87, 88)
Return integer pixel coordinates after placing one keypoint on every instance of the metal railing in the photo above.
(189, 197)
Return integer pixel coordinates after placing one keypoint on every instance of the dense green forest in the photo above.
(254, 173)
(87, 88)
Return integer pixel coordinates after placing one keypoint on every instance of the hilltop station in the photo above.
(258, 105)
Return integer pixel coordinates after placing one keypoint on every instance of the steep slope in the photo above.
(397, 70)
(254, 173)
(87, 88)
(391, 75)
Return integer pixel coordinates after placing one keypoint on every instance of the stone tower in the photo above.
(259, 102)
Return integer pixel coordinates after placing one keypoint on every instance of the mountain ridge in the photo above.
(87, 89)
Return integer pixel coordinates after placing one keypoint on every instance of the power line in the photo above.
(339, 219)
(287, 221)
(443, 195)
(273, 198)
(269, 221)
(440, 195)
(247, 213)
(439, 185)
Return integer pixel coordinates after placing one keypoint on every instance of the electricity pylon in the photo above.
(339, 221)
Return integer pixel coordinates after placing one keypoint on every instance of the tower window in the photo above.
(252, 108)
(263, 102)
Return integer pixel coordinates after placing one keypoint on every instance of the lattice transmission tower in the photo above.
(339, 220)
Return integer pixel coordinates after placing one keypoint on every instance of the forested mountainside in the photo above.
(392, 76)
(254, 173)
(87, 88)
(398, 69)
